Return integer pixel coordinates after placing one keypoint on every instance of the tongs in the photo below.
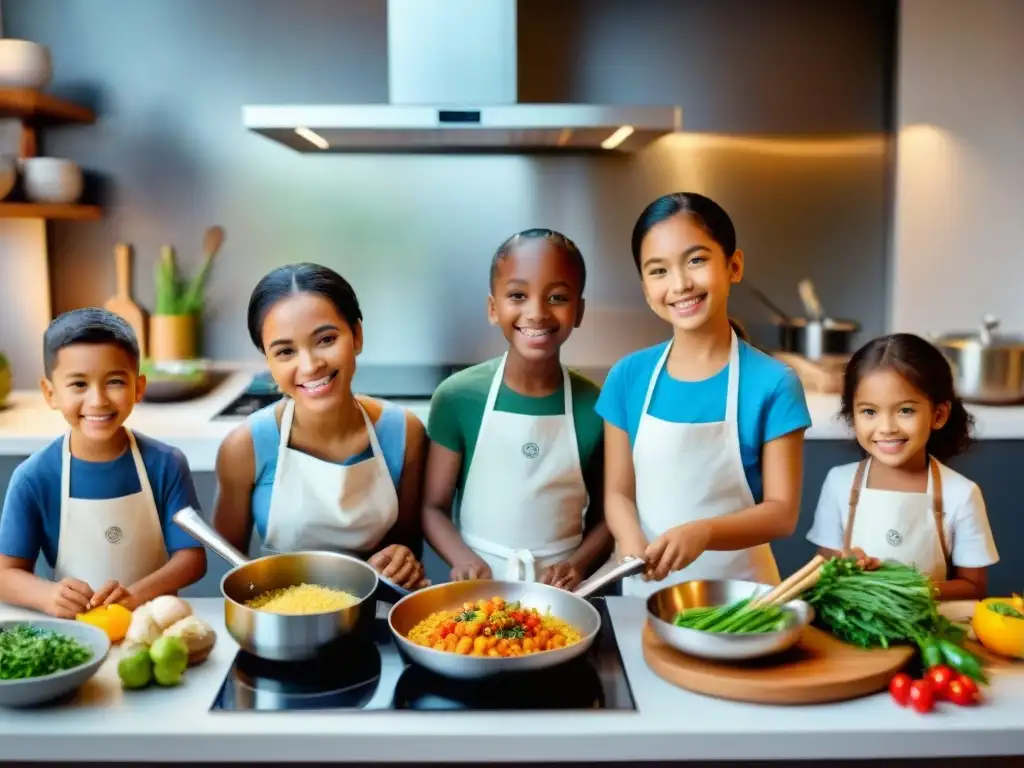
(793, 587)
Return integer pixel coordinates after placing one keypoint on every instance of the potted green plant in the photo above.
(174, 325)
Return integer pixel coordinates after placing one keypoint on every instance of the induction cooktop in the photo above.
(371, 675)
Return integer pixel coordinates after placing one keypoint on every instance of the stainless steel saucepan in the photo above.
(815, 336)
(280, 637)
(570, 607)
(988, 367)
(664, 604)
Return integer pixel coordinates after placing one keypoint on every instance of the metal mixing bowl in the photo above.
(663, 606)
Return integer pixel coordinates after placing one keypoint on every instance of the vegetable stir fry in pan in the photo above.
(493, 628)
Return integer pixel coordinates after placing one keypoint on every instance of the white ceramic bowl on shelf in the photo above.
(51, 180)
(24, 64)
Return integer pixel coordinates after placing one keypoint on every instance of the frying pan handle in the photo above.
(630, 566)
(190, 522)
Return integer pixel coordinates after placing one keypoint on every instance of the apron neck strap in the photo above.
(858, 483)
(499, 377)
(732, 387)
(286, 430)
(937, 510)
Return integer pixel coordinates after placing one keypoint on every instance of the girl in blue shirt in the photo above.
(703, 434)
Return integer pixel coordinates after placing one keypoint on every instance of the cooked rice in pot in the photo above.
(303, 599)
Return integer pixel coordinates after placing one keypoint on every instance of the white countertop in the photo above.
(105, 723)
(27, 424)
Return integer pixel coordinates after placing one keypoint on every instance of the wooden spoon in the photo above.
(213, 239)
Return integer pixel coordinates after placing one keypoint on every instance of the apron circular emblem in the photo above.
(895, 538)
(113, 534)
(531, 450)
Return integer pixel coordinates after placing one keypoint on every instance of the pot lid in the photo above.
(985, 336)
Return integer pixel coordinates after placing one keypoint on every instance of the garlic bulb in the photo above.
(197, 635)
(168, 609)
(143, 628)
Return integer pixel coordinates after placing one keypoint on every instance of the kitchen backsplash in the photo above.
(415, 234)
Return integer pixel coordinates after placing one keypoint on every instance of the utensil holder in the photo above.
(172, 337)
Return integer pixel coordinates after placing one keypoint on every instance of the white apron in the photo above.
(320, 505)
(687, 472)
(105, 540)
(523, 505)
(894, 525)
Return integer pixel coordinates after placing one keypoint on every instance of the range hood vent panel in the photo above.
(452, 88)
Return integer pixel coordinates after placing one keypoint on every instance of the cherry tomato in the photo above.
(899, 687)
(921, 697)
(532, 622)
(971, 686)
(959, 694)
(939, 678)
(518, 616)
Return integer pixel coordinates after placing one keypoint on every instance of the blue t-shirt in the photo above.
(30, 522)
(266, 438)
(771, 401)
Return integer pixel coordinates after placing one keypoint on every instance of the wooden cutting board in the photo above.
(121, 302)
(818, 669)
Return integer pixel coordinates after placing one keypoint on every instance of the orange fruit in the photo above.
(112, 619)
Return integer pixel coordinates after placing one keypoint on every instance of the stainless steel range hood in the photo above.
(452, 89)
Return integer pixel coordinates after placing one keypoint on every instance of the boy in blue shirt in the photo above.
(98, 501)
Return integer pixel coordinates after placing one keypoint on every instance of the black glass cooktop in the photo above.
(370, 674)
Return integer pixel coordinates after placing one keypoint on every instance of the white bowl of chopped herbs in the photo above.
(45, 659)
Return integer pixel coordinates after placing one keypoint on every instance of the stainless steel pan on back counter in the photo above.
(988, 367)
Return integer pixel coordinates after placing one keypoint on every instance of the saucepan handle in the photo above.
(630, 566)
(189, 521)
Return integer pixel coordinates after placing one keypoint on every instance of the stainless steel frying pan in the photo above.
(665, 604)
(279, 637)
(570, 607)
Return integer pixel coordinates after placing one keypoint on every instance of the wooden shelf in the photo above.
(41, 108)
(72, 212)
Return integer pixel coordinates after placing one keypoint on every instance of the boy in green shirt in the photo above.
(516, 438)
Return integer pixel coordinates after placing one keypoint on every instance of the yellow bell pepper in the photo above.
(112, 619)
(1000, 634)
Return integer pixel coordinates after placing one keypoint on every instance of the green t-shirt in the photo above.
(457, 408)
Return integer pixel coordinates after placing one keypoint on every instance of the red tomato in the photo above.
(970, 685)
(899, 687)
(960, 694)
(518, 616)
(532, 622)
(939, 678)
(447, 628)
(921, 697)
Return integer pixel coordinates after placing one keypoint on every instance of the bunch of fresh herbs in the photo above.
(893, 604)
